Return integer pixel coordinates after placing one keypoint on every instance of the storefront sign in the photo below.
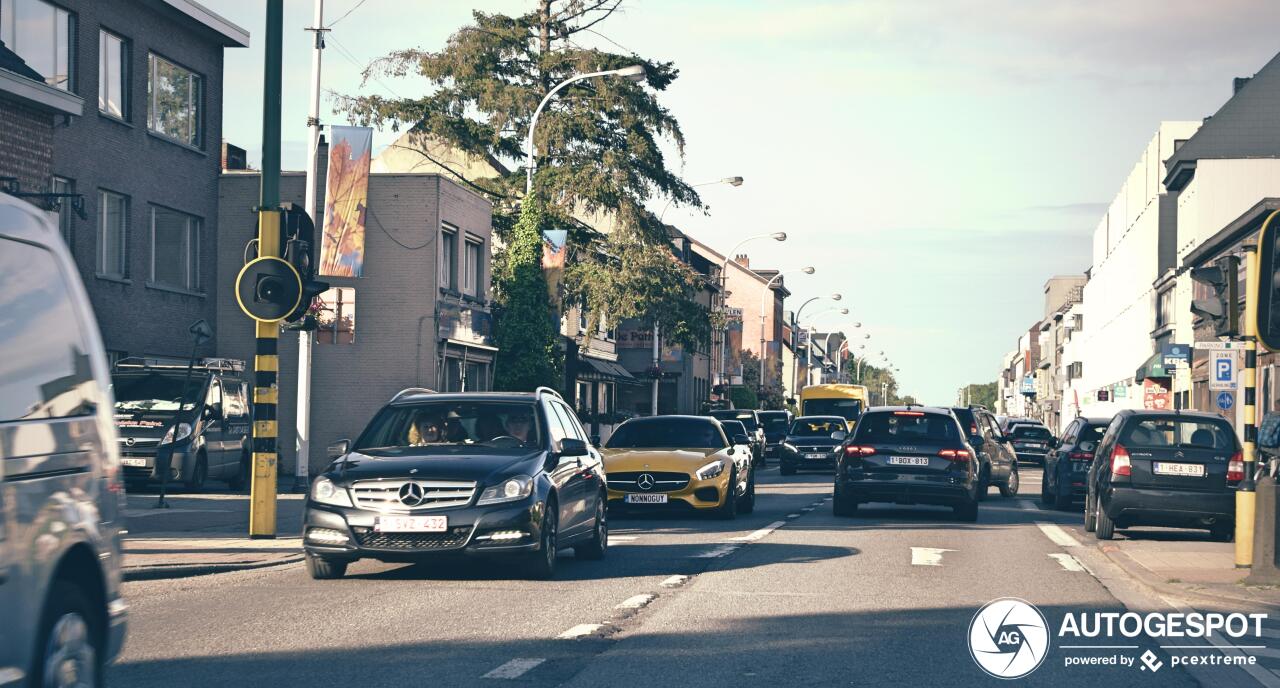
(1156, 395)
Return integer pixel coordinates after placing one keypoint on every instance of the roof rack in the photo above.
(547, 390)
(219, 364)
(411, 390)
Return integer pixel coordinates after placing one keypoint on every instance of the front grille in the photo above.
(451, 539)
(815, 450)
(384, 495)
(662, 481)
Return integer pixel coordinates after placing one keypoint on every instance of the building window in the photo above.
(42, 35)
(1164, 308)
(113, 234)
(175, 249)
(113, 75)
(448, 257)
(336, 316)
(66, 214)
(473, 267)
(174, 93)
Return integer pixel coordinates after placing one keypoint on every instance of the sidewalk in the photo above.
(205, 533)
(1191, 569)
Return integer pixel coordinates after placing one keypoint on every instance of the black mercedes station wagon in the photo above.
(487, 474)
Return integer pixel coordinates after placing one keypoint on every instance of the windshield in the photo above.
(668, 433)
(501, 425)
(1092, 433)
(733, 427)
(848, 409)
(816, 427)
(1153, 433)
(154, 393)
(746, 417)
(908, 426)
(1031, 432)
(774, 421)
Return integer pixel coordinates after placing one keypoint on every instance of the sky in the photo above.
(935, 161)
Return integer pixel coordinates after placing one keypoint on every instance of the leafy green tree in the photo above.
(771, 396)
(982, 394)
(528, 356)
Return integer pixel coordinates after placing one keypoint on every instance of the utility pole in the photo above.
(301, 479)
(657, 371)
(262, 495)
(1246, 497)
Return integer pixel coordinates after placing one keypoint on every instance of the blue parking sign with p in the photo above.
(1223, 370)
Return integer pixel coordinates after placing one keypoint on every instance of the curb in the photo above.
(144, 573)
(1143, 577)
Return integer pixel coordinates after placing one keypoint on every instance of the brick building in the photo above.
(29, 110)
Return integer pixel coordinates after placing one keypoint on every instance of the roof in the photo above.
(11, 61)
(20, 82)
(418, 397)
(1246, 126)
(230, 35)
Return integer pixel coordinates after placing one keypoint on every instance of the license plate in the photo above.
(1191, 469)
(908, 461)
(815, 456)
(1033, 445)
(646, 499)
(411, 524)
(133, 462)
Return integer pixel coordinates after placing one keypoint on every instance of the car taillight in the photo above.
(1120, 461)
(908, 413)
(1080, 455)
(973, 429)
(1235, 468)
(858, 450)
(957, 455)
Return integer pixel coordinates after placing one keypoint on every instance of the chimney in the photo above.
(234, 157)
(742, 259)
(1239, 83)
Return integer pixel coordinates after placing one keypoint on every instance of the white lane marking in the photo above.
(1026, 505)
(515, 668)
(622, 538)
(760, 534)
(1057, 534)
(793, 515)
(1069, 562)
(719, 551)
(636, 602)
(579, 631)
(674, 581)
(927, 556)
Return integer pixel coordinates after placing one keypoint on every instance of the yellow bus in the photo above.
(846, 401)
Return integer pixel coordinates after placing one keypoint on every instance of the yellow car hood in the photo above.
(675, 460)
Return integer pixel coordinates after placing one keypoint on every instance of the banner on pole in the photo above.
(346, 202)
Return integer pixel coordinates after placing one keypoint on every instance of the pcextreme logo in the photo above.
(1009, 638)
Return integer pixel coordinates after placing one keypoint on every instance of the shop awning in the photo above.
(1154, 367)
(607, 371)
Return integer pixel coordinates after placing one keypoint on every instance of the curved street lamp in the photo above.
(808, 350)
(633, 73)
(724, 267)
(731, 181)
(764, 294)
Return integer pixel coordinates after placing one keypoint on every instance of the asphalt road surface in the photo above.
(789, 595)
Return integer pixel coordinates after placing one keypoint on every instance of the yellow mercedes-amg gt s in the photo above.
(678, 461)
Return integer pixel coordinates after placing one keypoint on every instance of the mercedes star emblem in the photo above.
(411, 494)
(645, 481)
(129, 441)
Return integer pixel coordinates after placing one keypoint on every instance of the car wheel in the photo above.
(541, 565)
(747, 504)
(843, 505)
(984, 483)
(325, 569)
(1090, 514)
(1105, 528)
(1045, 496)
(728, 509)
(1223, 532)
(1009, 488)
(786, 469)
(240, 478)
(967, 511)
(1062, 497)
(598, 545)
(199, 473)
(70, 651)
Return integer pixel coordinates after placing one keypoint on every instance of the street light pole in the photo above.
(809, 349)
(724, 304)
(731, 181)
(764, 294)
(795, 372)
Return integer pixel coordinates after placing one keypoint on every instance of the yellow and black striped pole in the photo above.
(1246, 498)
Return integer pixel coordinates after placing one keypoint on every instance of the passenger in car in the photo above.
(425, 429)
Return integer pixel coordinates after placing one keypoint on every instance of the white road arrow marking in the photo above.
(515, 668)
(927, 556)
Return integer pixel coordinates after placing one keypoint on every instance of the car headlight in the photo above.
(323, 491)
(788, 446)
(509, 490)
(710, 470)
(176, 433)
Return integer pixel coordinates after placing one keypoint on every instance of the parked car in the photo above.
(908, 455)
(812, 442)
(755, 430)
(775, 425)
(1174, 469)
(737, 434)
(997, 464)
(61, 496)
(1066, 466)
(1031, 441)
(486, 474)
(210, 434)
(678, 462)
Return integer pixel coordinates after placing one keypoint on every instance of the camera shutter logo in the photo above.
(1008, 638)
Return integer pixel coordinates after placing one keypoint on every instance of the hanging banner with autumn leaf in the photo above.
(346, 201)
(554, 251)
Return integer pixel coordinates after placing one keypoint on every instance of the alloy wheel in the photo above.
(70, 659)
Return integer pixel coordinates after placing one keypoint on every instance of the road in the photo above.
(786, 596)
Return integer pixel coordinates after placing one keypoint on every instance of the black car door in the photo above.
(567, 471)
(1058, 449)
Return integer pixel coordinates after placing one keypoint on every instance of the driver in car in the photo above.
(519, 424)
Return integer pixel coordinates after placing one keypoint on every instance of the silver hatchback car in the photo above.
(61, 492)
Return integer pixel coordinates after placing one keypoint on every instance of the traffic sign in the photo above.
(1222, 370)
(1219, 346)
(1226, 400)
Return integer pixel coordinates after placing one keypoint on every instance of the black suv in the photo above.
(812, 442)
(1066, 467)
(489, 474)
(908, 455)
(1031, 441)
(997, 464)
(755, 433)
(1174, 469)
(208, 423)
(775, 425)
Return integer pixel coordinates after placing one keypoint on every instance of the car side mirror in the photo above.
(340, 448)
(570, 447)
(740, 439)
(1006, 438)
(977, 441)
(839, 435)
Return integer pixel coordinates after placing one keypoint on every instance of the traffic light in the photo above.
(1223, 309)
(1268, 296)
(300, 251)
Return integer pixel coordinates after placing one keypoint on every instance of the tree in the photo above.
(528, 356)
(981, 394)
(770, 397)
